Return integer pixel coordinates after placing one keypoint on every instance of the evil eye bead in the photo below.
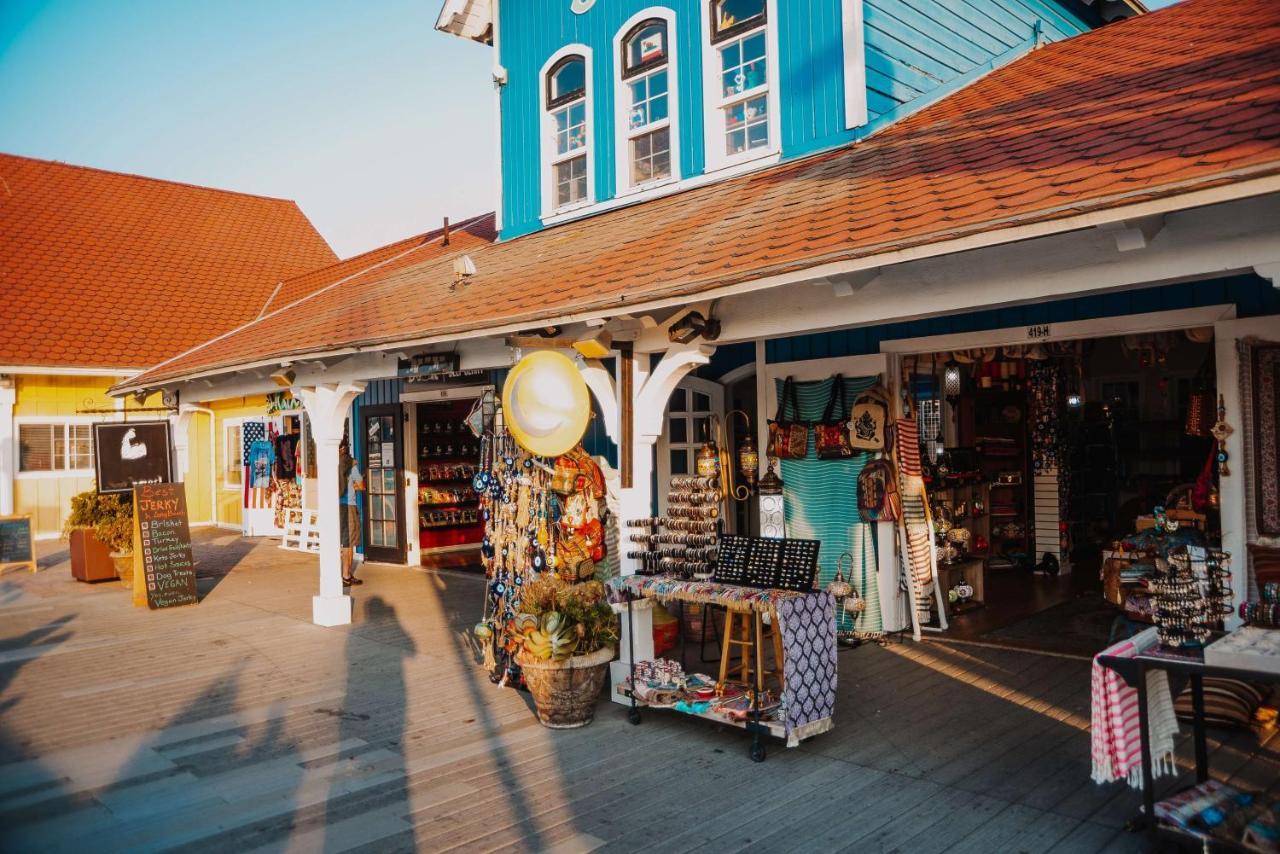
(528, 462)
(519, 581)
(538, 560)
(477, 483)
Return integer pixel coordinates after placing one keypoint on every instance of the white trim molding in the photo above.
(8, 446)
(855, 63)
(714, 102)
(623, 132)
(547, 157)
(64, 421)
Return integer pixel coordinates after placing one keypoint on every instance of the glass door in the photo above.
(383, 459)
(688, 426)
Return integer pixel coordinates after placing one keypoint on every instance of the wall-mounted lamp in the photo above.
(284, 377)
(951, 381)
(594, 345)
(1075, 401)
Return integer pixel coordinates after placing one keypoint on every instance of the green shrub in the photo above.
(110, 517)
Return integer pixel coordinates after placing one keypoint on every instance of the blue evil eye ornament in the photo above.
(478, 484)
(528, 462)
(486, 548)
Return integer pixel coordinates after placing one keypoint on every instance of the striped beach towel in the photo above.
(916, 532)
(1114, 735)
(821, 503)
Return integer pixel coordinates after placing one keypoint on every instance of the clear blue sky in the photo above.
(374, 122)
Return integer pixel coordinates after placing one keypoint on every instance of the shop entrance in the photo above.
(384, 538)
(448, 456)
(1046, 463)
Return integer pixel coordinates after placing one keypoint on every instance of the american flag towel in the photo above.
(256, 482)
(1115, 737)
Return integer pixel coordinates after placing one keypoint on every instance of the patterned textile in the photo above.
(1263, 364)
(1115, 739)
(257, 484)
(809, 649)
(288, 495)
(917, 534)
(808, 625)
(821, 503)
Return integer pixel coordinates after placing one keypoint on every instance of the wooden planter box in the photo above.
(90, 559)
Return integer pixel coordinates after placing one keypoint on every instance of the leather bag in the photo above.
(788, 440)
(831, 437)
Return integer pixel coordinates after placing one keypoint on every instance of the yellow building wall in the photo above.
(47, 498)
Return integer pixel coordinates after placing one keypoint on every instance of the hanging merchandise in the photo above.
(788, 439)
(1221, 430)
(831, 435)
(878, 498)
(546, 403)
(259, 463)
(1200, 401)
(1045, 382)
(868, 423)
(748, 460)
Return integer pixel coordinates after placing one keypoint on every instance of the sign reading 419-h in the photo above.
(164, 537)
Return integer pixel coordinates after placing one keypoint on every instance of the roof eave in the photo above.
(467, 19)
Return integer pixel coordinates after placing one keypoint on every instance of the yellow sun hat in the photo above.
(546, 403)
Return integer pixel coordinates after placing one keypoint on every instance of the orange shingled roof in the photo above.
(1178, 100)
(109, 270)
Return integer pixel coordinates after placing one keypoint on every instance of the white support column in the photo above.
(327, 406)
(8, 465)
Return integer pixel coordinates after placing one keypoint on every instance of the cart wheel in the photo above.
(633, 716)
(757, 752)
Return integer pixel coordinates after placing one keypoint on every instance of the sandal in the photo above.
(354, 580)
(347, 582)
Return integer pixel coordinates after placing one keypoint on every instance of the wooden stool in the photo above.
(751, 646)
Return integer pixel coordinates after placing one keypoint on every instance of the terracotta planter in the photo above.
(124, 568)
(90, 559)
(565, 692)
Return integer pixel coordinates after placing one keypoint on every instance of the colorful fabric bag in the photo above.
(878, 498)
(788, 440)
(831, 437)
(576, 471)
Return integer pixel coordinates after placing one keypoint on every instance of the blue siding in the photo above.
(915, 50)
(1252, 296)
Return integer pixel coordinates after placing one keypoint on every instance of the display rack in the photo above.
(448, 507)
(684, 543)
(962, 557)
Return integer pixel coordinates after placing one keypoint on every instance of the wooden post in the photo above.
(626, 449)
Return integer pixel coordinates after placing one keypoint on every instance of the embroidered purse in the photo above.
(878, 498)
(788, 440)
(831, 437)
(867, 431)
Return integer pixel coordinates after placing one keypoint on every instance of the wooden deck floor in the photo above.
(236, 725)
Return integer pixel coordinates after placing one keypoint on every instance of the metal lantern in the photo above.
(709, 460)
(748, 455)
(839, 588)
(772, 505)
(951, 381)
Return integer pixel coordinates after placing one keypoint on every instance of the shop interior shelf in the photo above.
(775, 728)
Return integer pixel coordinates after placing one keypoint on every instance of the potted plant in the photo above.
(108, 520)
(568, 632)
(90, 556)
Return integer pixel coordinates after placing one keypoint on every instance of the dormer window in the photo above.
(741, 126)
(568, 126)
(647, 73)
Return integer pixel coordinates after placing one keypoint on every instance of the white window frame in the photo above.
(855, 64)
(63, 421)
(715, 102)
(623, 133)
(227, 424)
(546, 121)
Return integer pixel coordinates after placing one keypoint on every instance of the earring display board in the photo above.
(767, 562)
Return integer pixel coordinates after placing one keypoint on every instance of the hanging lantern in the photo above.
(951, 381)
(771, 484)
(773, 519)
(709, 460)
(748, 455)
(839, 588)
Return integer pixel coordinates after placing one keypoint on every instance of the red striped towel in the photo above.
(1115, 739)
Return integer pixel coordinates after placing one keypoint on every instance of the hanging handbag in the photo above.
(788, 440)
(878, 498)
(867, 431)
(831, 437)
(573, 559)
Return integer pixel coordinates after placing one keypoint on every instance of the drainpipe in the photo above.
(8, 465)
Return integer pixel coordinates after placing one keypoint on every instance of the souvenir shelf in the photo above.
(448, 454)
(962, 524)
(1000, 437)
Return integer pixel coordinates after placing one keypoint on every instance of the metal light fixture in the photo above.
(1074, 400)
(771, 484)
(691, 326)
(748, 455)
(773, 515)
(951, 383)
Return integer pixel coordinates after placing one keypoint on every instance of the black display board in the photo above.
(165, 538)
(16, 546)
(128, 453)
(767, 562)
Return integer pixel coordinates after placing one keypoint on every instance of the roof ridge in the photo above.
(151, 178)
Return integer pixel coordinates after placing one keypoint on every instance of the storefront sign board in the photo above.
(17, 549)
(126, 454)
(164, 569)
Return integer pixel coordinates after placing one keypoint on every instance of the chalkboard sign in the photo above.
(16, 547)
(767, 562)
(129, 453)
(168, 569)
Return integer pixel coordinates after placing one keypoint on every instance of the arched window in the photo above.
(645, 64)
(567, 125)
(740, 100)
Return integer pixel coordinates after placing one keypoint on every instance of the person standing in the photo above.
(350, 488)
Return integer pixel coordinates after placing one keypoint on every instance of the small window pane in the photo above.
(35, 446)
(569, 78)
(679, 400)
(701, 402)
(678, 431)
(388, 507)
(80, 451)
(701, 429)
(651, 157)
(389, 533)
(235, 456)
(731, 13)
(679, 461)
(375, 534)
(648, 45)
(747, 125)
(571, 181)
(743, 65)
